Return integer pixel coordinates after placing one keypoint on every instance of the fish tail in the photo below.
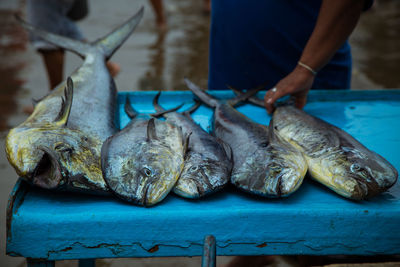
(107, 45)
(203, 96)
(78, 47)
(248, 95)
(157, 106)
(253, 99)
(160, 111)
(129, 110)
(193, 108)
(112, 41)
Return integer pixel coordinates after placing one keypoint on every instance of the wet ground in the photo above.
(155, 60)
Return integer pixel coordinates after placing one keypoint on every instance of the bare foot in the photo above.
(113, 68)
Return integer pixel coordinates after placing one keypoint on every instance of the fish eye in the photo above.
(194, 168)
(147, 171)
(61, 147)
(58, 146)
(355, 167)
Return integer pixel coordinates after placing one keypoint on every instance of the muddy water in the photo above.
(154, 60)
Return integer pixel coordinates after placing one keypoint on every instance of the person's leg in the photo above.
(54, 63)
(207, 6)
(159, 12)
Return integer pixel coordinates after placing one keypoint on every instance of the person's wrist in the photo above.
(303, 73)
(307, 67)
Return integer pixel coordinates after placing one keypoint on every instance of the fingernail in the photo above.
(269, 100)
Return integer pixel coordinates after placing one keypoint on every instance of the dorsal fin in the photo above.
(151, 130)
(129, 109)
(63, 115)
(273, 134)
(185, 144)
(226, 147)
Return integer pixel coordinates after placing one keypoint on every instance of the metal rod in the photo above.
(209, 252)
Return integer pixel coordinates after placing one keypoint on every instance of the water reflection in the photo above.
(12, 41)
(376, 43)
(154, 76)
(179, 52)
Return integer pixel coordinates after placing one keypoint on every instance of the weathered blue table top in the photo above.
(314, 220)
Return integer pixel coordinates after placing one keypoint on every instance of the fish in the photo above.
(334, 158)
(142, 162)
(207, 164)
(263, 163)
(58, 146)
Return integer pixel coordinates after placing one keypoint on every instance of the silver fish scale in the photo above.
(243, 135)
(200, 141)
(334, 157)
(94, 99)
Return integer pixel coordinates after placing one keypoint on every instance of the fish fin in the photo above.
(108, 44)
(63, 115)
(78, 47)
(284, 101)
(129, 109)
(226, 147)
(273, 134)
(164, 111)
(156, 106)
(192, 109)
(151, 130)
(112, 41)
(248, 95)
(104, 157)
(186, 144)
(253, 99)
(202, 95)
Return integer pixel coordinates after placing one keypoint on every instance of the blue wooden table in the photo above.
(51, 226)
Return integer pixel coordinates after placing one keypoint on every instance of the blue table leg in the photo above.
(209, 252)
(87, 263)
(39, 263)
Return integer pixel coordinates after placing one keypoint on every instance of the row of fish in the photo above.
(70, 142)
(273, 161)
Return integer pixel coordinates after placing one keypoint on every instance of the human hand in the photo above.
(297, 84)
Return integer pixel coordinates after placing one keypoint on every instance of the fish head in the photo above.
(285, 169)
(47, 155)
(271, 172)
(360, 175)
(202, 175)
(142, 173)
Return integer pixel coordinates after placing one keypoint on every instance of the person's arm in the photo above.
(336, 21)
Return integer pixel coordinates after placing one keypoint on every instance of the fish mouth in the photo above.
(151, 194)
(47, 173)
(189, 188)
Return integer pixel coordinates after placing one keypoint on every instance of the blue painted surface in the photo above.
(314, 220)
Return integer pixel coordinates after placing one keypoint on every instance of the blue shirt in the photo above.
(257, 41)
